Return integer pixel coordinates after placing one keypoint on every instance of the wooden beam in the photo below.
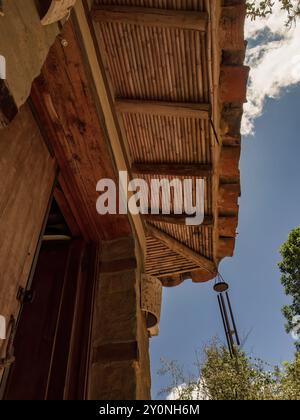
(226, 247)
(168, 109)
(173, 276)
(189, 254)
(227, 226)
(195, 170)
(228, 198)
(229, 164)
(101, 89)
(147, 16)
(176, 219)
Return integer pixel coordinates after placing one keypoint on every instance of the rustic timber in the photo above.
(169, 109)
(153, 79)
(233, 81)
(177, 219)
(77, 135)
(232, 27)
(176, 246)
(227, 226)
(145, 16)
(167, 73)
(163, 65)
(189, 170)
(173, 262)
(229, 164)
(226, 247)
(27, 174)
(228, 198)
(22, 65)
(51, 362)
(103, 99)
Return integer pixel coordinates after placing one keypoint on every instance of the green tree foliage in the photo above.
(290, 278)
(262, 9)
(290, 380)
(240, 378)
(220, 377)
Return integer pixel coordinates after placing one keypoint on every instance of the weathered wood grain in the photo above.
(169, 109)
(151, 17)
(186, 170)
(181, 249)
(177, 219)
(27, 174)
(64, 94)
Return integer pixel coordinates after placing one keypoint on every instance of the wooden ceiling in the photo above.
(170, 103)
(163, 62)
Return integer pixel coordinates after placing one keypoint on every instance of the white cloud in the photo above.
(198, 393)
(274, 62)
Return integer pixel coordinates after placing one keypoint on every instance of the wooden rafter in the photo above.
(172, 273)
(168, 109)
(189, 254)
(151, 17)
(178, 219)
(227, 226)
(192, 170)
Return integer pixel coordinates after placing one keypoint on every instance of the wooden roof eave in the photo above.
(225, 184)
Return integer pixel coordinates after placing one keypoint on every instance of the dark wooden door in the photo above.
(44, 334)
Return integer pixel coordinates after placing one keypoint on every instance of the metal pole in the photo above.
(233, 320)
(225, 327)
(227, 323)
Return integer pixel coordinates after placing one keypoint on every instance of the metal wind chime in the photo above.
(232, 337)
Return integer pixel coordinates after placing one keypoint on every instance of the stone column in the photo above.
(119, 366)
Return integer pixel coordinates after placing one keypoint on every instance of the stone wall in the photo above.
(119, 367)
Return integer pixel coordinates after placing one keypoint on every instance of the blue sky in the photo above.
(269, 209)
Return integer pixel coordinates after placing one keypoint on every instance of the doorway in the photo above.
(51, 344)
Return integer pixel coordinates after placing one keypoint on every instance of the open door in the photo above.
(51, 342)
